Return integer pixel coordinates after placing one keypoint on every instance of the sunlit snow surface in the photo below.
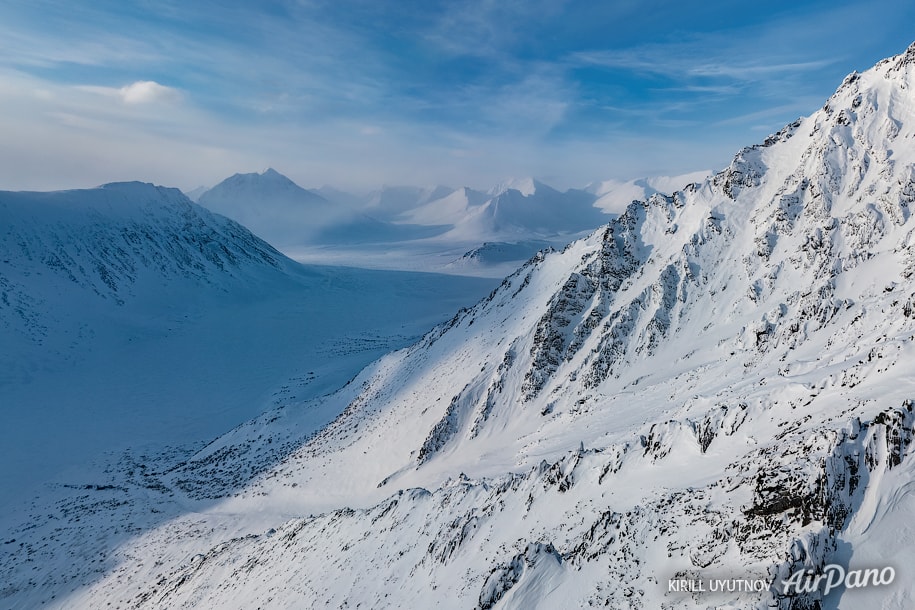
(717, 383)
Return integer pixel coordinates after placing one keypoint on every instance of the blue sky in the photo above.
(359, 93)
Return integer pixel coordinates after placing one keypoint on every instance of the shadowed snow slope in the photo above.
(130, 315)
(717, 383)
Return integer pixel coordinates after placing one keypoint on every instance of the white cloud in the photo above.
(139, 93)
(147, 92)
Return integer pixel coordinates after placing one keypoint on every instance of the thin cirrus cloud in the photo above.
(661, 60)
(463, 92)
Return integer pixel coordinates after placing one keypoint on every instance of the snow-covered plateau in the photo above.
(714, 385)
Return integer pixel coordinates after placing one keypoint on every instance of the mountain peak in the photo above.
(898, 63)
(267, 176)
(259, 186)
(909, 56)
(526, 186)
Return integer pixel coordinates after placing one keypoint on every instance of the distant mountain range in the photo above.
(519, 217)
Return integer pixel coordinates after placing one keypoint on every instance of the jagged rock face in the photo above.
(716, 382)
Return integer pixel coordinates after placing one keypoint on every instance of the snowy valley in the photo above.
(714, 383)
(131, 316)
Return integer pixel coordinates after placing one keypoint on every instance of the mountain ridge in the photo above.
(428, 226)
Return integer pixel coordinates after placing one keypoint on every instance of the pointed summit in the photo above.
(257, 184)
(526, 186)
(907, 58)
(273, 175)
(270, 204)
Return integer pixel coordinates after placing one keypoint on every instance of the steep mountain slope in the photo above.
(129, 315)
(715, 384)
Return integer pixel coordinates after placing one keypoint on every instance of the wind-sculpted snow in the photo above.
(717, 384)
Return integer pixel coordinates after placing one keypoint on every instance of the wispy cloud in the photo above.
(352, 91)
(683, 61)
(489, 28)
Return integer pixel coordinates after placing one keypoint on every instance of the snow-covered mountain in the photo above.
(129, 315)
(716, 384)
(391, 202)
(113, 242)
(523, 209)
(451, 209)
(438, 228)
(521, 217)
(195, 193)
(289, 216)
(272, 205)
(495, 231)
(498, 230)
